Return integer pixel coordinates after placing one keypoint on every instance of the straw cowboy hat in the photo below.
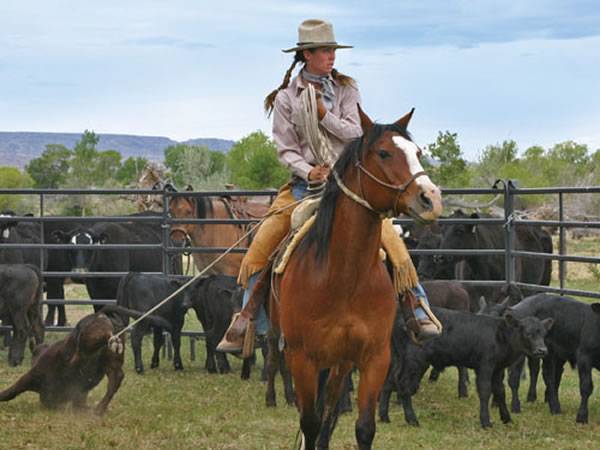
(314, 33)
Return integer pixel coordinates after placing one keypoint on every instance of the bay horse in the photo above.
(205, 235)
(335, 303)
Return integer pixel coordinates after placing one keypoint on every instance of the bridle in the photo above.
(398, 188)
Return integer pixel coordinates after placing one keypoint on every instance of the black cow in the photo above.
(486, 344)
(574, 338)
(450, 295)
(21, 290)
(15, 232)
(59, 260)
(215, 299)
(490, 267)
(141, 293)
(96, 259)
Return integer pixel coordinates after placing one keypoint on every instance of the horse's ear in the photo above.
(365, 123)
(404, 120)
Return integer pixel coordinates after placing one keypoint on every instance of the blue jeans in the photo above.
(299, 188)
(420, 293)
(261, 321)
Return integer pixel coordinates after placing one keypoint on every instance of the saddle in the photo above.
(302, 220)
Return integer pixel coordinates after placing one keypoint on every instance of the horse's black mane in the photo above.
(204, 207)
(320, 233)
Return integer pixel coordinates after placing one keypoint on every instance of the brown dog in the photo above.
(68, 369)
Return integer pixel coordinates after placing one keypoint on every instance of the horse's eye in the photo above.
(383, 154)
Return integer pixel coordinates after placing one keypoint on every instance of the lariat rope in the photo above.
(318, 142)
(207, 268)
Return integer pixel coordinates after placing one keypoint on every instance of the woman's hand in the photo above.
(319, 173)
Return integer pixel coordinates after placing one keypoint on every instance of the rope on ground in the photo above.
(114, 338)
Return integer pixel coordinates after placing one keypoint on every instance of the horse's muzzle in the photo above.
(427, 204)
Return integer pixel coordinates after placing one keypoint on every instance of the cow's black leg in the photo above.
(345, 404)
(534, 370)
(384, 397)
(159, 340)
(586, 386)
(37, 325)
(211, 364)
(176, 337)
(16, 351)
(514, 381)
(408, 385)
(484, 389)
(462, 382)
(409, 413)
(137, 336)
(222, 362)
(500, 395)
(272, 364)
(549, 373)
(434, 375)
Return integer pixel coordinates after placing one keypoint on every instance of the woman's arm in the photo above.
(347, 126)
(286, 139)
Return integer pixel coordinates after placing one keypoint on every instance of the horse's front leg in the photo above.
(305, 375)
(333, 391)
(372, 377)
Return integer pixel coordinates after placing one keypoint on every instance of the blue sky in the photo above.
(526, 70)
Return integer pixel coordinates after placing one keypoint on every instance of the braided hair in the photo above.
(344, 80)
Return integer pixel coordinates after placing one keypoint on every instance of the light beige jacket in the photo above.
(341, 123)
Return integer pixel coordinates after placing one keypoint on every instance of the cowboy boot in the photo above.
(233, 340)
(420, 330)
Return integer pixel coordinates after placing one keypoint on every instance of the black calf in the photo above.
(485, 344)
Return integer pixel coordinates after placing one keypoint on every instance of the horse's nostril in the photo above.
(425, 201)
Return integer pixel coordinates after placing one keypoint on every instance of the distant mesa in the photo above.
(18, 148)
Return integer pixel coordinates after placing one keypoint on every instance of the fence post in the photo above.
(561, 243)
(165, 234)
(509, 231)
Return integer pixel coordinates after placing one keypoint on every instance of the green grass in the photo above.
(194, 409)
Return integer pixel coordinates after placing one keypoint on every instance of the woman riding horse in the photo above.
(339, 122)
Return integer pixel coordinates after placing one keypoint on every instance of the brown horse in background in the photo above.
(335, 302)
(209, 235)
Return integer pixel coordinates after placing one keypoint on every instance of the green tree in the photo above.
(51, 168)
(196, 165)
(107, 165)
(495, 161)
(174, 162)
(131, 170)
(13, 178)
(449, 168)
(254, 164)
(83, 163)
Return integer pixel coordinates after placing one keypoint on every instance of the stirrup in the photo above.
(249, 338)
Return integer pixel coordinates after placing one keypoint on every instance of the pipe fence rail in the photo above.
(506, 190)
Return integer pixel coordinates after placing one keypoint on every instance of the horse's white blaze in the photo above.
(6, 233)
(411, 150)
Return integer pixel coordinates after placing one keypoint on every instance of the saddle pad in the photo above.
(288, 248)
